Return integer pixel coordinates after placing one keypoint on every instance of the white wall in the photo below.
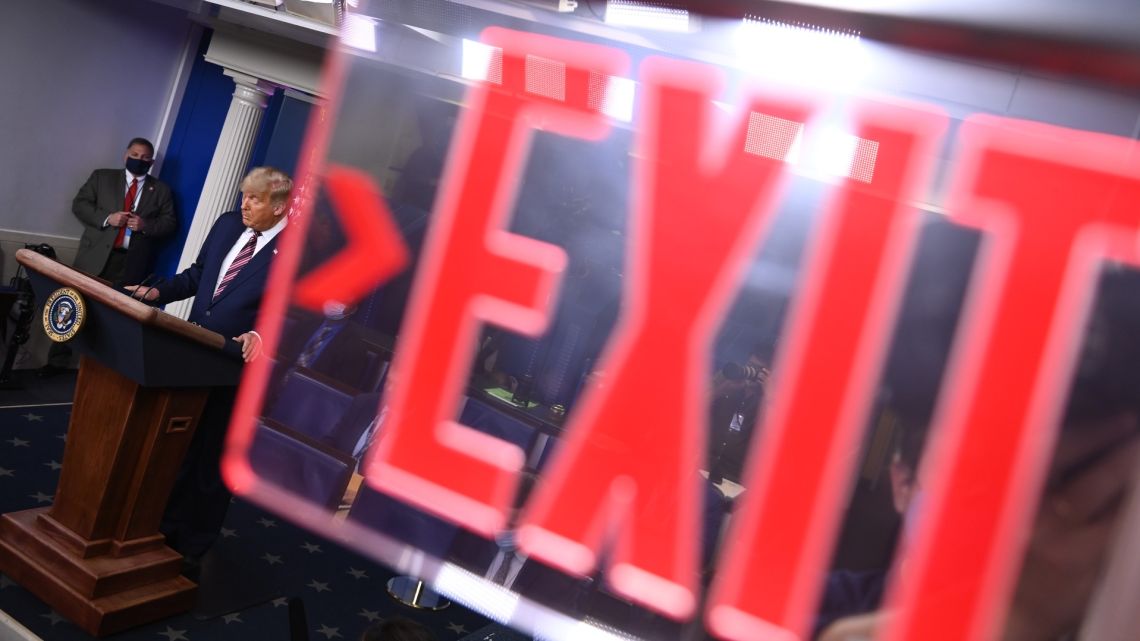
(80, 79)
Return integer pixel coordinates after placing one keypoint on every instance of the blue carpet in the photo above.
(341, 591)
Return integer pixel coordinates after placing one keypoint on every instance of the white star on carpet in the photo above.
(227, 533)
(52, 616)
(41, 497)
(174, 635)
(456, 628)
(7, 472)
(311, 548)
(371, 615)
(329, 632)
(62, 437)
(280, 601)
(319, 586)
(33, 417)
(357, 574)
(267, 522)
(18, 442)
(234, 617)
(272, 559)
(54, 465)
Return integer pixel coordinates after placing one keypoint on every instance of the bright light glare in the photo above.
(358, 32)
(645, 15)
(493, 601)
(823, 151)
(479, 60)
(476, 60)
(772, 137)
(801, 54)
(832, 153)
(620, 93)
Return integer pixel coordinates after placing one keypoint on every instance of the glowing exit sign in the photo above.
(1050, 202)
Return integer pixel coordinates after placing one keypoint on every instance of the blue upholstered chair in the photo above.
(354, 356)
(300, 464)
(489, 420)
(310, 403)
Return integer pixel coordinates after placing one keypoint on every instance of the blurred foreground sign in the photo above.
(620, 493)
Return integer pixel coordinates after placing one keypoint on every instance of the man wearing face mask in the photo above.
(125, 212)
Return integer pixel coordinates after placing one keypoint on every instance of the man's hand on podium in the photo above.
(250, 345)
(148, 292)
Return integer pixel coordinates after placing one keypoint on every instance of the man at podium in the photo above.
(227, 281)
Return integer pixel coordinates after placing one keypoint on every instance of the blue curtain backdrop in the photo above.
(192, 142)
(195, 135)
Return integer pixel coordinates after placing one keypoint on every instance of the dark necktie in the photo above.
(243, 257)
(368, 436)
(315, 345)
(128, 205)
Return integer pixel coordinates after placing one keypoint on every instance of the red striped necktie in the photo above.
(128, 205)
(243, 257)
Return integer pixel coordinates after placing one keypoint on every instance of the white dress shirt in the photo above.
(242, 239)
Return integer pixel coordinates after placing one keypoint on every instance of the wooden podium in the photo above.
(96, 555)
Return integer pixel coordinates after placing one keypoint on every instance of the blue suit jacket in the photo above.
(235, 310)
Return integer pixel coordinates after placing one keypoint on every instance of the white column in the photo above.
(227, 168)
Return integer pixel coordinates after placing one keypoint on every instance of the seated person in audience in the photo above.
(738, 393)
(847, 592)
(360, 424)
(335, 320)
(1093, 467)
(486, 373)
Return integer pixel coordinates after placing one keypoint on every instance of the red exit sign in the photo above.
(1052, 203)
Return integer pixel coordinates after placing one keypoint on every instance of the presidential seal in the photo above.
(64, 314)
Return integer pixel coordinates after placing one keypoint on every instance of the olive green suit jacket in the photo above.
(102, 195)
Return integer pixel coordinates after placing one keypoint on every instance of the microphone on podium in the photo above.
(140, 293)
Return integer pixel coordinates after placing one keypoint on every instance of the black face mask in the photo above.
(138, 166)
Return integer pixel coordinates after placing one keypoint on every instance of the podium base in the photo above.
(101, 594)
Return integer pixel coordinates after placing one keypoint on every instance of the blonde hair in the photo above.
(268, 180)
